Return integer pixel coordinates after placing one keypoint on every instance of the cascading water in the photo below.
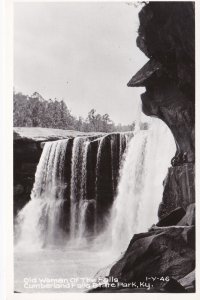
(83, 200)
(79, 202)
(69, 205)
(91, 194)
(38, 222)
(77, 180)
(140, 188)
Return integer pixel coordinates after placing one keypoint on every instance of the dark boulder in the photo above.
(173, 286)
(183, 285)
(172, 218)
(162, 252)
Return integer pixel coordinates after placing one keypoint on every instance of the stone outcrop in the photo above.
(172, 218)
(179, 189)
(160, 36)
(169, 78)
(161, 252)
(166, 35)
(160, 260)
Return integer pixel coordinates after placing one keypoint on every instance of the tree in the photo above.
(35, 111)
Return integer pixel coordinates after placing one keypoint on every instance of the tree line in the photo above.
(34, 111)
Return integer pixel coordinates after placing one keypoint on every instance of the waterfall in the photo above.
(79, 202)
(87, 187)
(140, 187)
(75, 186)
(38, 222)
(118, 146)
(77, 157)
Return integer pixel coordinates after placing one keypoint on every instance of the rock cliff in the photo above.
(170, 90)
(166, 35)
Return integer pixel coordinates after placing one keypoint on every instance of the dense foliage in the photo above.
(35, 111)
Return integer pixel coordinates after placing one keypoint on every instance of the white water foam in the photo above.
(145, 164)
(37, 224)
(141, 185)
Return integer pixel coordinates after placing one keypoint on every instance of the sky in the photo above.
(83, 53)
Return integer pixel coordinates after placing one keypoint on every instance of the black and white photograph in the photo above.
(103, 147)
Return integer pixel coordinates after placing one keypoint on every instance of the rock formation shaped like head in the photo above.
(166, 35)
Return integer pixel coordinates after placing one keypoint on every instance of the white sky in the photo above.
(84, 53)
